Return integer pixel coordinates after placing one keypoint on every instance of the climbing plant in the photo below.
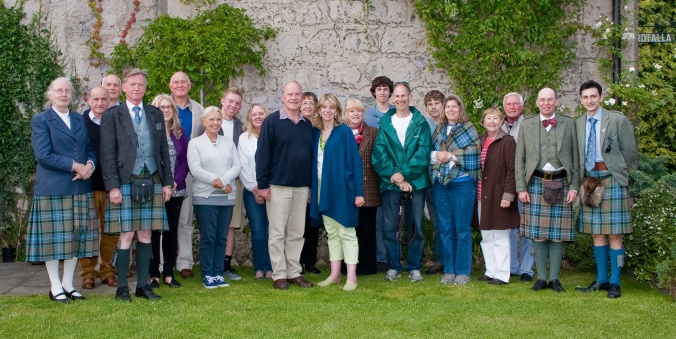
(29, 62)
(211, 48)
(493, 47)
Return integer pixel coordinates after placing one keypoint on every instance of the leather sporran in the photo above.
(591, 192)
(142, 190)
(553, 191)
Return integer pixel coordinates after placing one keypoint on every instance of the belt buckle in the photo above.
(548, 175)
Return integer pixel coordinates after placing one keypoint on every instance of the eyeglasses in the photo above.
(164, 108)
(63, 91)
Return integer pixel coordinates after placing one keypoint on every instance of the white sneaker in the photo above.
(415, 276)
(392, 275)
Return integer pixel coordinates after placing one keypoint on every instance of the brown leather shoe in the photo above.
(280, 284)
(110, 281)
(186, 273)
(300, 281)
(88, 283)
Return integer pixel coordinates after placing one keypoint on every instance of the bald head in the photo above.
(547, 102)
(99, 99)
(113, 84)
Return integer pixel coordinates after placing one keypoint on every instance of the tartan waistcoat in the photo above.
(144, 147)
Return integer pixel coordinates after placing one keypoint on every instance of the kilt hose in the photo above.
(62, 227)
(542, 220)
(613, 216)
(131, 216)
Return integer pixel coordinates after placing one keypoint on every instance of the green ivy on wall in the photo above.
(211, 48)
(493, 47)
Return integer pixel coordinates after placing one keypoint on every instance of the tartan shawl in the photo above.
(463, 142)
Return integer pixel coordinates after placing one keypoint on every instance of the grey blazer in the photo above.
(617, 132)
(119, 141)
(528, 150)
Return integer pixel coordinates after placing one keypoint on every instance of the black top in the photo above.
(284, 155)
(94, 131)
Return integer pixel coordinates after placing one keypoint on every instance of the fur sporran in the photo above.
(591, 192)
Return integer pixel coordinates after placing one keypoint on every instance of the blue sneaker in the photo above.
(220, 281)
(209, 282)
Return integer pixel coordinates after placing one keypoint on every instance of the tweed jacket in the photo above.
(528, 150)
(56, 147)
(372, 196)
(497, 183)
(119, 141)
(616, 133)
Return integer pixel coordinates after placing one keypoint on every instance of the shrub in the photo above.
(666, 273)
(580, 253)
(654, 216)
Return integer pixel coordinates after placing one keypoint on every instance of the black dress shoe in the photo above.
(525, 277)
(154, 283)
(74, 297)
(614, 291)
(498, 282)
(122, 293)
(539, 285)
(313, 269)
(173, 283)
(556, 285)
(485, 278)
(595, 286)
(54, 297)
(147, 293)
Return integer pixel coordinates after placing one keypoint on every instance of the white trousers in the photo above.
(496, 249)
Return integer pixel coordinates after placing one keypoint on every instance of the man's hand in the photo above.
(115, 196)
(405, 187)
(265, 194)
(572, 195)
(397, 178)
(524, 197)
(166, 193)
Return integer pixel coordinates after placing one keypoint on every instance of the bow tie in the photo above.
(548, 122)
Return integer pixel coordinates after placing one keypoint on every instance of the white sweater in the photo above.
(208, 162)
(247, 146)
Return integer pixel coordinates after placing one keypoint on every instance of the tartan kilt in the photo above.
(541, 220)
(614, 214)
(131, 216)
(62, 227)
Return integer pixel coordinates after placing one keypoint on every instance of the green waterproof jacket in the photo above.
(412, 160)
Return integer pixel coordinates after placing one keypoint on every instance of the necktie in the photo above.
(590, 154)
(548, 122)
(137, 115)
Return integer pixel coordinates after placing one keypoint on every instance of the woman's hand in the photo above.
(505, 203)
(359, 201)
(217, 184)
(227, 189)
(443, 157)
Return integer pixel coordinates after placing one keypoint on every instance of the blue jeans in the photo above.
(432, 209)
(213, 222)
(258, 221)
(416, 245)
(455, 209)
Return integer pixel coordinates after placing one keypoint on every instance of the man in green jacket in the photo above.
(401, 157)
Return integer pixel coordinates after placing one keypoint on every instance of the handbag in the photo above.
(553, 191)
(142, 190)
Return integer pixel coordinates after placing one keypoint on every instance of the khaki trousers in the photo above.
(286, 215)
(107, 244)
(185, 230)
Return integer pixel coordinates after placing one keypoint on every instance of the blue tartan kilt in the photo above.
(542, 220)
(131, 216)
(62, 227)
(613, 216)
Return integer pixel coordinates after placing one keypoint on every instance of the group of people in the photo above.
(130, 169)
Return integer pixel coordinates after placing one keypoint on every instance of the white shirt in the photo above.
(401, 125)
(228, 126)
(131, 106)
(64, 116)
(599, 117)
(94, 118)
(246, 148)
(543, 119)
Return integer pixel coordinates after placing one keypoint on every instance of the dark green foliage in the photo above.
(211, 48)
(29, 62)
(491, 48)
(580, 252)
(666, 273)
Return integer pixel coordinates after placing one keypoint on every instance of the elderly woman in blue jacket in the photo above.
(337, 191)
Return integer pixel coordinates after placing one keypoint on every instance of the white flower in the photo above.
(598, 24)
(654, 92)
(628, 36)
(632, 69)
(605, 34)
(657, 66)
(478, 103)
(641, 86)
(609, 102)
(626, 8)
(627, 85)
(624, 103)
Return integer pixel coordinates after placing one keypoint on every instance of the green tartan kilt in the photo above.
(131, 216)
(542, 220)
(613, 216)
(62, 227)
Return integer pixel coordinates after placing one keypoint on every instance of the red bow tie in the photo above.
(548, 122)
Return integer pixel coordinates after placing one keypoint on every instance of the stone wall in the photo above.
(333, 46)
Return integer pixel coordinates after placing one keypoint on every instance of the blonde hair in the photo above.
(210, 110)
(174, 123)
(331, 99)
(233, 90)
(493, 110)
(353, 104)
(248, 124)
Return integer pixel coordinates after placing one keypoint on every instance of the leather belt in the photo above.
(600, 166)
(550, 175)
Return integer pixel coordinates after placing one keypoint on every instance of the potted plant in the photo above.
(10, 240)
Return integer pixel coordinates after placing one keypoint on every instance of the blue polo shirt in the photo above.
(185, 116)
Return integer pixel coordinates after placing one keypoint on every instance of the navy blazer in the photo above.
(56, 147)
(118, 145)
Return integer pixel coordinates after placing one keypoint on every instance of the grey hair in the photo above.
(52, 84)
(209, 110)
(511, 94)
(134, 71)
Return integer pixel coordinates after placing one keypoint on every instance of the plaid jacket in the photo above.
(463, 142)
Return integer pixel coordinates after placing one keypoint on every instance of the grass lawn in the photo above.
(250, 308)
